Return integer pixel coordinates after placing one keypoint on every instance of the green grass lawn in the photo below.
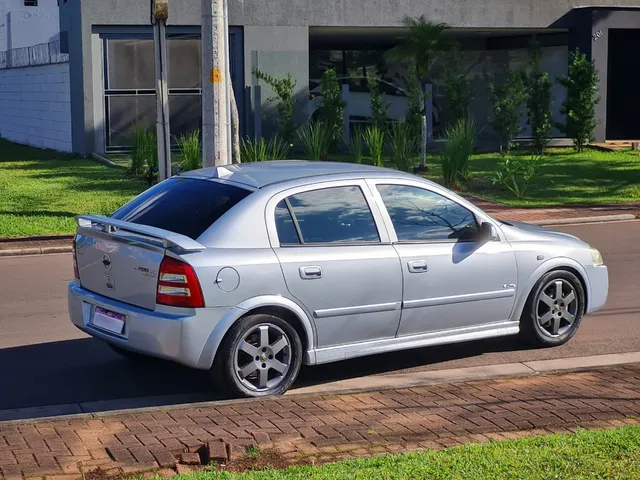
(564, 177)
(41, 191)
(610, 454)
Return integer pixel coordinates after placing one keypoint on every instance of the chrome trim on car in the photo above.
(337, 312)
(474, 297)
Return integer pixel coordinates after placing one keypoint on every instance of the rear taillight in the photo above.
(76, 272)
(178, 285)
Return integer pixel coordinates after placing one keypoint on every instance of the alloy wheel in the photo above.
(557, 308)
(262, 358)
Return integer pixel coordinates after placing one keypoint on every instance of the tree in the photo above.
(582, 97)
(422, 46)
(419, 49)
(283, 88)
(458, 86)
(333, 104)
(507, 101)
(235, 125)
(539, 100)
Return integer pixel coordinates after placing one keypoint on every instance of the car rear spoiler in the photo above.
(112, 226)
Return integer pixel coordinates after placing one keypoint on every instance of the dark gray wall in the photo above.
(278, 30)
(603, 21)
(460, 13)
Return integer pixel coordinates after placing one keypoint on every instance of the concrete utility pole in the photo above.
(160, 13)
(216, 125)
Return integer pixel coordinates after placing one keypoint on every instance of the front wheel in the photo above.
(554, 310)
(260, 356)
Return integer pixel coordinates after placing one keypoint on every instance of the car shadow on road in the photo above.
(86, 376)
(431, 358)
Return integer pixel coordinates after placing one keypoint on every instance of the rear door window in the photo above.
(328, 216)
(182, 205)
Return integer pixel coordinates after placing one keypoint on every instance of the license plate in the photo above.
(109, 321)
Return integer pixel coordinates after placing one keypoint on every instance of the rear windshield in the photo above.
(182, 205)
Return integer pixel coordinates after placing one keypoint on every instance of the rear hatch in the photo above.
(119, 257)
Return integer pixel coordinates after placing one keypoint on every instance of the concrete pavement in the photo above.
(40, 350)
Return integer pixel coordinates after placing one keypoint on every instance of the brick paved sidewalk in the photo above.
(323, 427)
(505, 212)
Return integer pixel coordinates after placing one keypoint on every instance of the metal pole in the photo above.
(163, 130)
(210, 77)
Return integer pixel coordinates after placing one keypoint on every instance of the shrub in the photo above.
(144, 156)
(283, 88)
(515, 174)
(261, 151)
(539, 100)
(415, 99)
(458, 148)
(457, 85)
(507, 101)
(191, 151)
(355, 145)
(582, 97)
(315, 139)
(379, 109)
(333, 105)
(374, 139)
(141, 149)
(403, 146)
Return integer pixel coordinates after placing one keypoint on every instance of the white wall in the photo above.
(35, 106)
(22, 26)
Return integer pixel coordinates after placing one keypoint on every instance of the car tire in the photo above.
(554, 310)
(129, 355)
(260, 356)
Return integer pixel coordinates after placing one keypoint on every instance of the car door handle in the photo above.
(419, 266)
(310, 273)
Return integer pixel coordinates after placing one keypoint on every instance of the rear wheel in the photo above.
(260, 356)
(554, 310)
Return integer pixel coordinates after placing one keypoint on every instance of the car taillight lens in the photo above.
(76, 272)
(178, 285)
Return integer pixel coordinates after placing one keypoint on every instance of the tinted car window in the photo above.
(287, 233)
(421, 215)
(182, 205)
(334, 215)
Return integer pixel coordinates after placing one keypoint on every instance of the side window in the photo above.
(333, 215)
(287, 232)
(419, 215)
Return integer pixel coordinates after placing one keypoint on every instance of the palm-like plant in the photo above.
(422, 45)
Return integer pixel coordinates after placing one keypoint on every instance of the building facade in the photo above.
(112, 73)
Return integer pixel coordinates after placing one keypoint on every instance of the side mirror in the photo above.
(487, 232)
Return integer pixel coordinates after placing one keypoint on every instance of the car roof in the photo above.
(263, 174)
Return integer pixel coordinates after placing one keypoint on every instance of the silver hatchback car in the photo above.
(250, 271)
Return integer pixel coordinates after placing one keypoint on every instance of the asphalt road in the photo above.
(44, 360)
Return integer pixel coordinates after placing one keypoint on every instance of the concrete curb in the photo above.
(103, 409)
(625, 217)
(22, 252)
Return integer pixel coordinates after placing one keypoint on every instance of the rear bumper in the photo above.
(598, 287)
(172, 336)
